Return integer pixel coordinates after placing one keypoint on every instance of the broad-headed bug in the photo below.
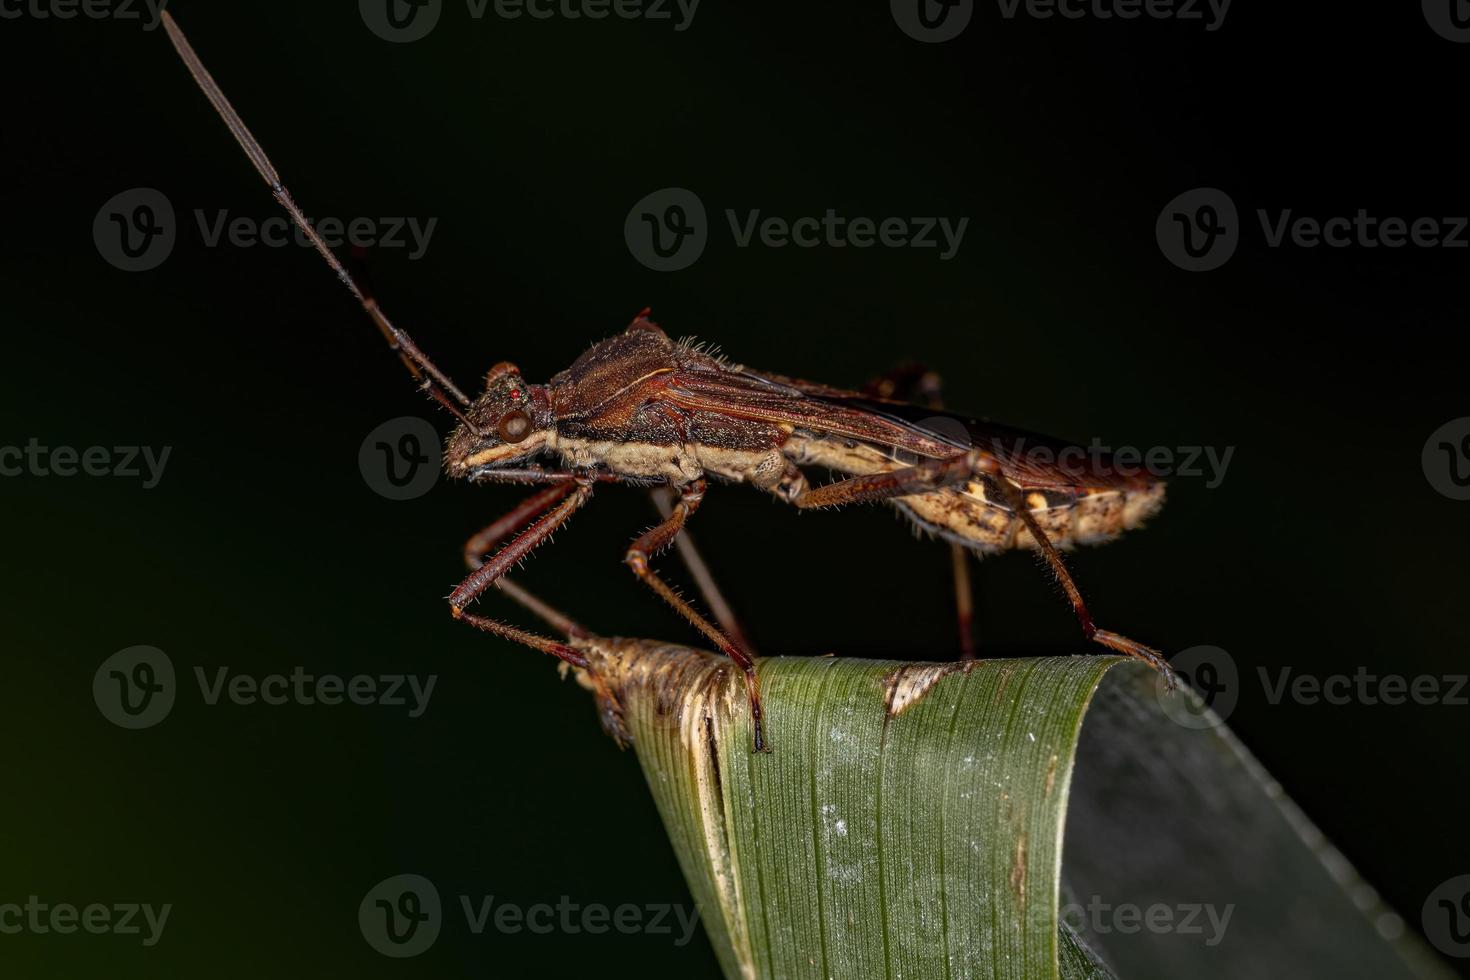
(641, 408)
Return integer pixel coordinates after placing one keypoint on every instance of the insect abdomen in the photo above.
(979, 517)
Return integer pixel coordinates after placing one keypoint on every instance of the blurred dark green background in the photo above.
(262, 549)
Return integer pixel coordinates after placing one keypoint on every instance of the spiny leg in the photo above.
(476, 548)
(506, 558)
(703, 578)
(1113, 641)
(940, 473)
(922, 477)
(915, 382)
(656, 539)
(474, 556)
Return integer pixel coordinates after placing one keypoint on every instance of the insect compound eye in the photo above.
(513, 426)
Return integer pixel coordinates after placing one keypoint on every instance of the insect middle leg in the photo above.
(656, 539)
(663, 500)
(911, 382)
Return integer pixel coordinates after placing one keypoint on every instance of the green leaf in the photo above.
(909, 822)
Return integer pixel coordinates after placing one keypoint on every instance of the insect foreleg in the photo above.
(539, 475)
(656, 539)
(476, 547)
(483, 577)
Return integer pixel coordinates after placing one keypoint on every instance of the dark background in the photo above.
(1324, 549)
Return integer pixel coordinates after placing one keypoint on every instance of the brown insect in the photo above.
(643, 409)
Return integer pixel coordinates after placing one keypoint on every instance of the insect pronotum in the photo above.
(640, 408)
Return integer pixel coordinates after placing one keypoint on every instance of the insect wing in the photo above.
(749, 396)
(1029, 459)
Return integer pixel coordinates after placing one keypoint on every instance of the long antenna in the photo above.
(430, 378)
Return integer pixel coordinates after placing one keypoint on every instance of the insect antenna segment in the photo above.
(430, 378)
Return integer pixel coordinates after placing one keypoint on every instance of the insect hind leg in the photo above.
(1113, 641)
